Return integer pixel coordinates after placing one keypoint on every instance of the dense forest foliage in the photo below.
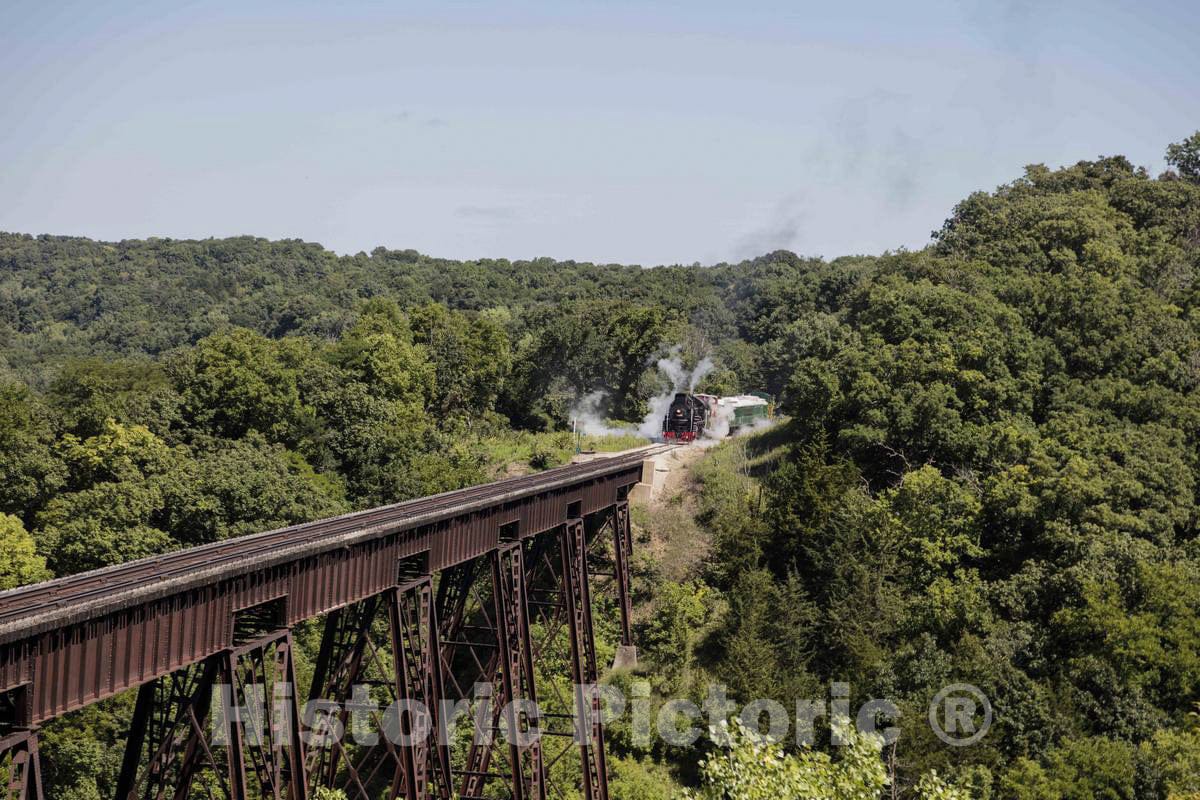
(990, 470)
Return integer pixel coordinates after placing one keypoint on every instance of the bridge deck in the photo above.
(75, 640)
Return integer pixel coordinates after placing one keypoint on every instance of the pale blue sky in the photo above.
(605, 131)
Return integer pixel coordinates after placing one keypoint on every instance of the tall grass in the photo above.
(525, 450)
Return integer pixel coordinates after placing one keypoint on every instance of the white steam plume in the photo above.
(717, 428)
(681, 380)
(588, 416)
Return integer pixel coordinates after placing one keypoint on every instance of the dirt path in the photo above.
(670, 536)
(677, 463)
(671, 471)
(664, 516)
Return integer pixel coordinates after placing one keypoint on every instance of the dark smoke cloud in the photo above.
(780, 230)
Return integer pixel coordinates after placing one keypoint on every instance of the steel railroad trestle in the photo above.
(431, 615)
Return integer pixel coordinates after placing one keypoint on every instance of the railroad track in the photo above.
(20, 607)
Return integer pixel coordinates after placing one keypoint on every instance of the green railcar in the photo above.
(747, 410)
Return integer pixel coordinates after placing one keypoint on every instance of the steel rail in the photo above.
(103, 578)
(27, 610)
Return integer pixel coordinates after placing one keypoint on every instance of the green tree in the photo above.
(630, 779)
(233, 488)
(1141, 633)
(1185, 156)
(19, 562)
(749, 664)
(87, 392)
(751, 768)
(939, 521)
(389, 451)
(632, 334)
(471, 358)
(668, 637)
(1170, 762)
(329, 794)
(239, 381)
(30, 472)
(105, 524)
(379, 351)
(1078, 769)
(112, 512)
(844, 547)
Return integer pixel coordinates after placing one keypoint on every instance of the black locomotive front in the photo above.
(685, 419)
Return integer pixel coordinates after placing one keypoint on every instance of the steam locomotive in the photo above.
(689, 415)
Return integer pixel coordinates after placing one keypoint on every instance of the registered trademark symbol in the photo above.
(954, 714)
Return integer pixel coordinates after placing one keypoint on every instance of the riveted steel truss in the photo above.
(225, 728)
(22, 764)
(375, 699)
(379, 716)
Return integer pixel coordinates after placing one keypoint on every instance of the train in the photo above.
(690, 415)
(686, 418)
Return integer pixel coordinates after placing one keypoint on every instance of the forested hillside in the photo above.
(990, 471)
